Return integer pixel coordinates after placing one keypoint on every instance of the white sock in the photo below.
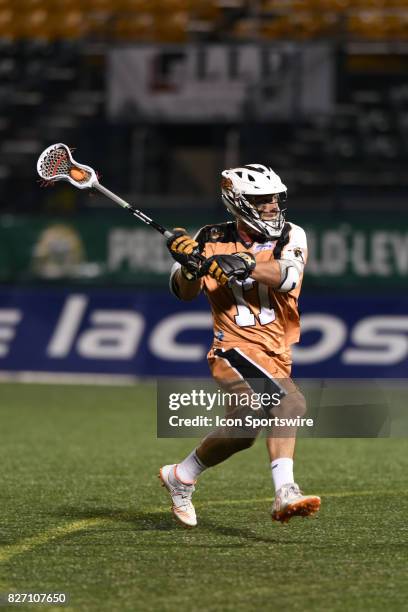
(282, 472)
(190, 468)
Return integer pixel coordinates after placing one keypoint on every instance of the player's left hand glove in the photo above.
(227, 268)
(184, 249)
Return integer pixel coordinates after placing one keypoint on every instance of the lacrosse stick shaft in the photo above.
(137, 213)
(140, 215)
(57, 164)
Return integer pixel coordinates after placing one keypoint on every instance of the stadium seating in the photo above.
(44, 56)
(164, 20)
(179, 20)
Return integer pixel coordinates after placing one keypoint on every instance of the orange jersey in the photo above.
(249, 312)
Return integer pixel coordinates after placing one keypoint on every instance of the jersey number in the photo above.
(245, 316)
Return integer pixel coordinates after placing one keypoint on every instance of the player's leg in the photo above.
(280, 440)
(289, 500)
(216, 447)
(179, 479)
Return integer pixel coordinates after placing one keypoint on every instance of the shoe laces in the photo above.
(187, 491)
(294, 488)
(184, 490)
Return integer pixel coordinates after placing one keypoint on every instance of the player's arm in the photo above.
(269, 273)
(183, 287)
(282, 274)
(285, 273)
(185, 280)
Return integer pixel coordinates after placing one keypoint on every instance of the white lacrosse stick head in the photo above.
(57, 164)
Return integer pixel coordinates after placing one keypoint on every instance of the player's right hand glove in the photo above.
(227, 268)
(184, 249)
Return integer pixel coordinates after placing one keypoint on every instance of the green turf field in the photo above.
(82, 512)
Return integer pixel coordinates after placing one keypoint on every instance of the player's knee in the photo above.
(294, 405)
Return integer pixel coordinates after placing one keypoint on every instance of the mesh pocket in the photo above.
(56, 162)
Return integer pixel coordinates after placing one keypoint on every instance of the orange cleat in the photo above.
(290, 501)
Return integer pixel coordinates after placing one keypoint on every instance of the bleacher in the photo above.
(52, 86)
(182, 20)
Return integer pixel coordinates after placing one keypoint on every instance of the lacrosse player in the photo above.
(252, 277)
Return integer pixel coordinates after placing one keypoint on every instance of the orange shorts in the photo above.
(245, 368)
(250, 363)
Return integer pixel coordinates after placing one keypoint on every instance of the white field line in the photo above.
(66, 378)
(11, 550)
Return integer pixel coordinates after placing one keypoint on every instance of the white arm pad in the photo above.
(290, 275)
(176, 266)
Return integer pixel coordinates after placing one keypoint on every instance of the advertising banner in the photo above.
(151, 334)
(118, 251)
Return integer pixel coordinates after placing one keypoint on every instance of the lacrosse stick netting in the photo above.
(57, 164)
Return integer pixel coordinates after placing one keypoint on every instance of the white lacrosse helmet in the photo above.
(253, 180)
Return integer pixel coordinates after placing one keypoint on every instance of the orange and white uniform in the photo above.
(254, 325)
